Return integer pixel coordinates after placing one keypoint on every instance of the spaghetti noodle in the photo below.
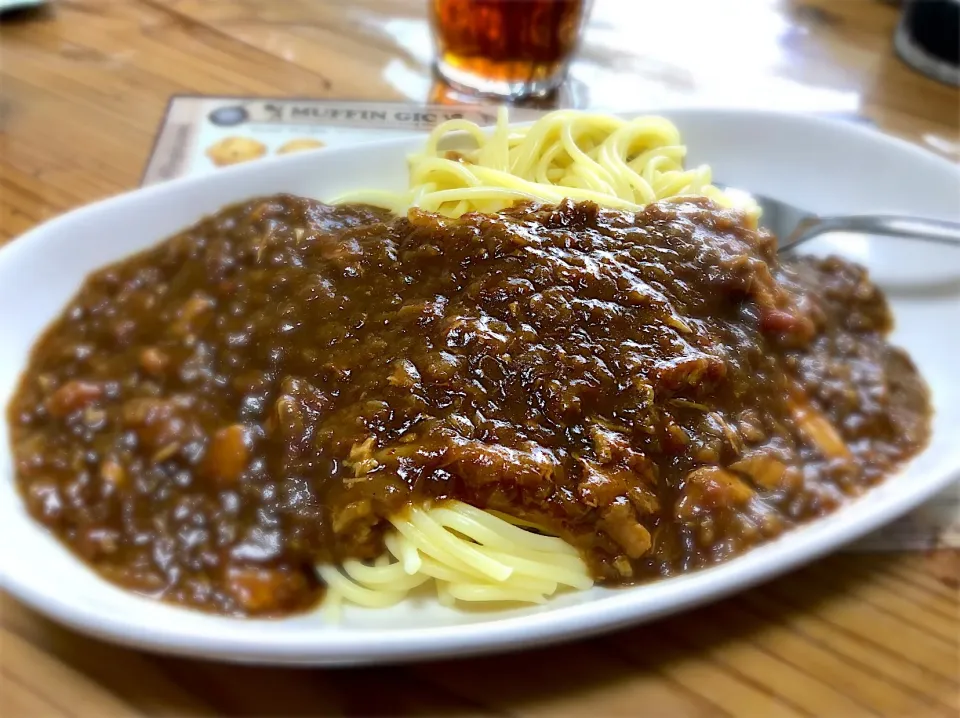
(617, 163)
(470, 555)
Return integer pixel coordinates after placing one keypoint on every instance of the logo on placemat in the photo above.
(229, 116)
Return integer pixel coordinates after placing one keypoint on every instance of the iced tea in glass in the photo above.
(506, 48)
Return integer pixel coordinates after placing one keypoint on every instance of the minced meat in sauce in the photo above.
(212, 417)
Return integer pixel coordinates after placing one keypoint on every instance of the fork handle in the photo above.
(929, 230)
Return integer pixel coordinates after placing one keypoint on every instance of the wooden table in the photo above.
(84, 86)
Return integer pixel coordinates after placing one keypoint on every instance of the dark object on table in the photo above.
(928, 38)
(17, 10)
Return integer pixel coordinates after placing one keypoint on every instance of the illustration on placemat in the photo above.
(233, 150)
(299, 145)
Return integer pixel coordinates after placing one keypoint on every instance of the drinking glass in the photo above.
(506, 48)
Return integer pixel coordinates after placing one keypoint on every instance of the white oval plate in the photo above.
(816, 164)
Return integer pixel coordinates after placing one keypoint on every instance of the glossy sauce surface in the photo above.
(212, 417)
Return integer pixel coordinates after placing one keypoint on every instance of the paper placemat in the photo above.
(201, 134)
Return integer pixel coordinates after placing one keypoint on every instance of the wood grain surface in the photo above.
(84, 86)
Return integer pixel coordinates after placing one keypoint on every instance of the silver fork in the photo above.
(793, 226)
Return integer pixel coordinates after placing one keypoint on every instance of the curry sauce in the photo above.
(212, 417)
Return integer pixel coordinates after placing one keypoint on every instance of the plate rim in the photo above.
(355, 646)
